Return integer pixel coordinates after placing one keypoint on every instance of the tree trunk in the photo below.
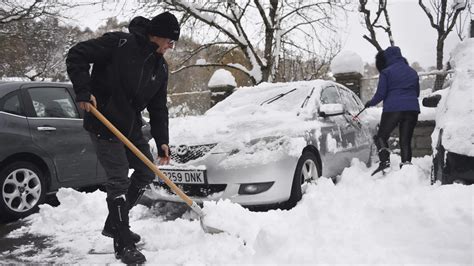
(439, 81)
(266, 72)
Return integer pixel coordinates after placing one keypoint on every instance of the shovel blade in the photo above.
(206, 228)
(209, 229)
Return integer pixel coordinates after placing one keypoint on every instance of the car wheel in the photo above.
(307, 170)
(22, 189)
(438, 171)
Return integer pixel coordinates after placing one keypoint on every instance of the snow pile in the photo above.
(455, 111)
(222, 78)
(396, 219)
(347, 62)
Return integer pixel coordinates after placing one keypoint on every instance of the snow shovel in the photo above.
(154, 168)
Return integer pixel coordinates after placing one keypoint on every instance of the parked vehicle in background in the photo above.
(43, 146)
(262, 145)
(453, 136)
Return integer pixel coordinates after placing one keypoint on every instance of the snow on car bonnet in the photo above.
(268, 109)
(267, 97)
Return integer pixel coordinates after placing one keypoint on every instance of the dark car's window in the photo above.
(11, 104)
(330, 95)
(53, 102)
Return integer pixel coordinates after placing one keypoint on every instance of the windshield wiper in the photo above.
(276, 97)
(307, 99)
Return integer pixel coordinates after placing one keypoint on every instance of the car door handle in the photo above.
(46, 128)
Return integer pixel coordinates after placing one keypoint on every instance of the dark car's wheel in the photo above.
(438, 165)
(22, 189)
(307, 170)
(438, 171)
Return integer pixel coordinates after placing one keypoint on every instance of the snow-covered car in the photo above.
(262, 145)
(453, 136)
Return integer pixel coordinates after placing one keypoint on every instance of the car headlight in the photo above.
(254, 188)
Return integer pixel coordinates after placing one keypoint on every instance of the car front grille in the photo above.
(184, 154)
(197, 190)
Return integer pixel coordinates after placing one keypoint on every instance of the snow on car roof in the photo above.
(455, 112)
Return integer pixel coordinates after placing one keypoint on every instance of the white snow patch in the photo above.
(222, 77)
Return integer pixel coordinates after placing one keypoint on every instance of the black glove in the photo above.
(367, 104)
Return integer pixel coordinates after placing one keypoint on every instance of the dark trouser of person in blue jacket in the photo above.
(406, 122)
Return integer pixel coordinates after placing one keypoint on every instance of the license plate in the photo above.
(185, 176)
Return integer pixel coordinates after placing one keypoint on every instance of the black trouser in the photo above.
(117, 159)
(406, 122)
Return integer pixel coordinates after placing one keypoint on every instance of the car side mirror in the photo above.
(431, 101)
(331, 109)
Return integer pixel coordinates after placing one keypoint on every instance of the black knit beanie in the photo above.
(164, 25)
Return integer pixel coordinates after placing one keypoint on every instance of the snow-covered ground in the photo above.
(398, 218)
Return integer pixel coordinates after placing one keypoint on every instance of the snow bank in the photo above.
(455, 111)
(396, 219)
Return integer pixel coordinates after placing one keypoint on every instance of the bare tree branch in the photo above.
(443, 23)
(281, 21)
(371, 25)
(199, 49)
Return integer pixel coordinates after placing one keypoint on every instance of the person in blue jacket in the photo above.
(399, 90)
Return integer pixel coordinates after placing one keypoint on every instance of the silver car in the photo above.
(262, 145)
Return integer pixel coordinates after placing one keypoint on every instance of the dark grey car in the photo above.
(43, 146)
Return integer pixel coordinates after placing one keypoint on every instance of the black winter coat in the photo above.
(127, 77)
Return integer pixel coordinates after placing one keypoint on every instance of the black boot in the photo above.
(382, 166)
(384, 157)
(405, 163)
(133, 196)
(124, 247)
(110, 231)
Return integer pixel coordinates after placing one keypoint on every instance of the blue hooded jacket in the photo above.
(398, 85)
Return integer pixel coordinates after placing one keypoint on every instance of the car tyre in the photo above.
(22, 189)
(438, 170)
(307, 170)
(438, 165)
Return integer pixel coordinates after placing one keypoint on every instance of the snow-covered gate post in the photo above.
(347, 68)
(221, 84)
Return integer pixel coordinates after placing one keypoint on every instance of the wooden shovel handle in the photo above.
(142, 157)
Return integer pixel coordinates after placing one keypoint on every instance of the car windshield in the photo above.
(269, 96)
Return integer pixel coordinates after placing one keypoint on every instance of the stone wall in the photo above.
(421, 141)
